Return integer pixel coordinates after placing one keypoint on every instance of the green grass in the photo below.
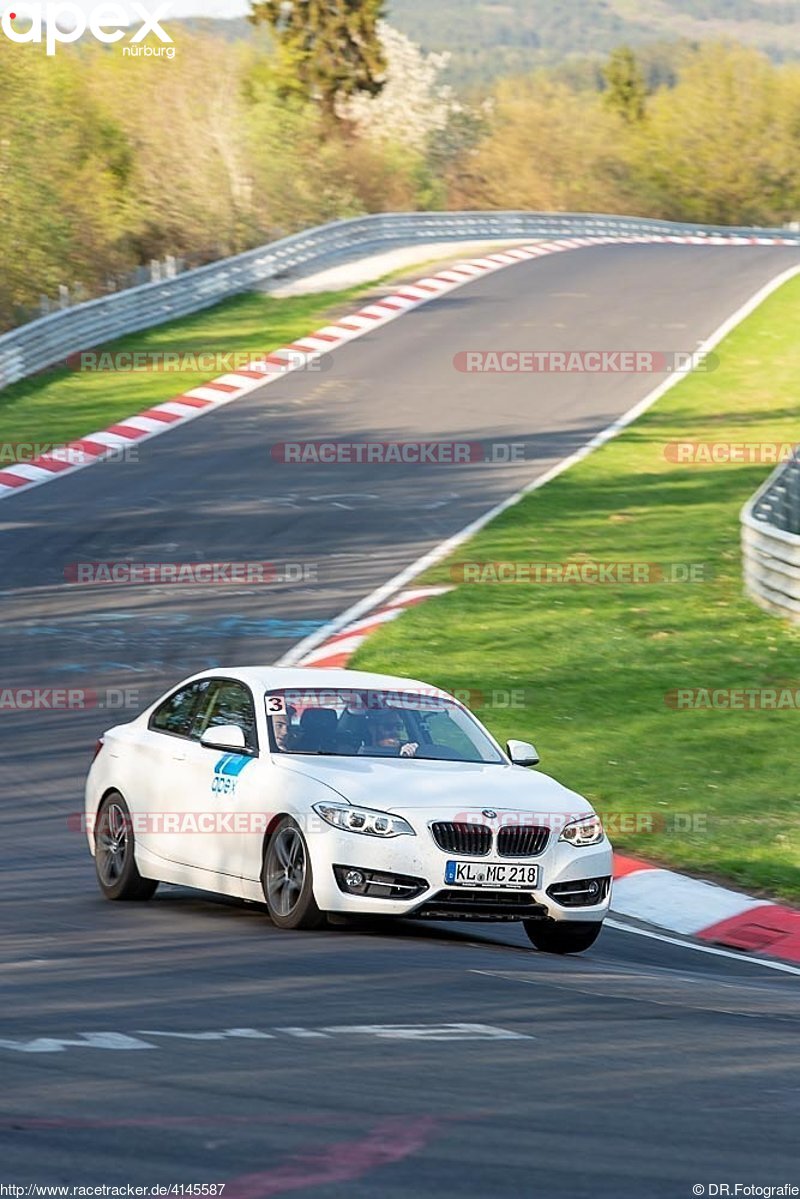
(59, 405)
(595, 662)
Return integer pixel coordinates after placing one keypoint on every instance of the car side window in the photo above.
(231, 703)
(177, 711)
(204, 711)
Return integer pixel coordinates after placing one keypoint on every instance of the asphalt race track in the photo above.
(188, 1041)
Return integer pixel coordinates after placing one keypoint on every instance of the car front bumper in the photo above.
(420, 861)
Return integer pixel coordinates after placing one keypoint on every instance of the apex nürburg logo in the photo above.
(65, 22)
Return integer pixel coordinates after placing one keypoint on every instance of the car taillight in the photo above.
(98, 745)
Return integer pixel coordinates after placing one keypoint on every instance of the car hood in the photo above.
(449, 788)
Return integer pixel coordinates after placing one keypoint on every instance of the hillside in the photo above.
(488, 38)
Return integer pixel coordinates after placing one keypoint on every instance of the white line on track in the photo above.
(784, 967)
(123, 1042)
(700, 947)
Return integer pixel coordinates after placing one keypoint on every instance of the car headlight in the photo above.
(586, 831)
(363, 820)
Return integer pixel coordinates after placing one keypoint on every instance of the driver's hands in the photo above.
(409, 749)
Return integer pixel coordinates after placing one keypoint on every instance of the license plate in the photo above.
(491, 874)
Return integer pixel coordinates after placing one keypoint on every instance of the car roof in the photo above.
(269, 678)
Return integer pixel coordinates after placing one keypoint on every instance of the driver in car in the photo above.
(389, 733)
(285, 735)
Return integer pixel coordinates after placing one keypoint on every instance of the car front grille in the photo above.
(471, 840)
(522, 840)
(477, 840)
(458, 904)
(483, 897)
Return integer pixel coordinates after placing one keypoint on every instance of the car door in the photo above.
(215, 783)
(160, 755)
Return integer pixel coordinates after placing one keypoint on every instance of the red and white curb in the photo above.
(152, 422)
(337, 650)
(699, 909)
(656, 896)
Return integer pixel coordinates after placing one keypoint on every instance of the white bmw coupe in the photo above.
(339, 792)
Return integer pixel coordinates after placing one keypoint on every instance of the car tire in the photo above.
(564, 936)
(287, 879)
(115, 863)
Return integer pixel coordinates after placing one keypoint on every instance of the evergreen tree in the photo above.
(625, 86)
(329, 49)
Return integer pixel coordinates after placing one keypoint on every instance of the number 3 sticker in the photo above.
(276, 705)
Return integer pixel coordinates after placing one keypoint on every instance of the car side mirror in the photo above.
(224, 736)
(522, 753)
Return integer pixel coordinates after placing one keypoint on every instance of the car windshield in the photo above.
(376, 724)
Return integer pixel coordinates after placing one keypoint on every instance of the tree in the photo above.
(625, 86)
(64, 166)
(722, 146)
(413, 102)
(329, 50)
(547, 149)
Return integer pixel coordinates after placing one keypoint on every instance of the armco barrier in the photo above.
(771, 542)
(32, 347)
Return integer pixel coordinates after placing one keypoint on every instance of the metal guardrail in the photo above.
(51, 339)
(771, 542)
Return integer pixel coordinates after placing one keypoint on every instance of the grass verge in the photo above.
(714, 791)
(60, 405)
